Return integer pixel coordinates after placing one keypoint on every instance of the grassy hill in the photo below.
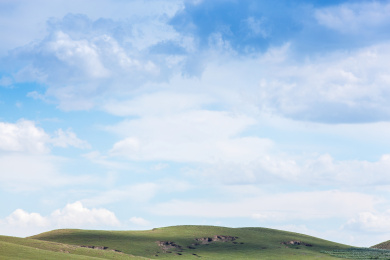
(15, 248)
(182, 242)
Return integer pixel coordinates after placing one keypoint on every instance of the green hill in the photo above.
(15, 248)
(187, 242)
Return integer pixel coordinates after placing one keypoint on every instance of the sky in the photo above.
(131, 115)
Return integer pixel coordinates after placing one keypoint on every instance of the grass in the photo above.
(252, 243)
(360, 253)
(23, 248)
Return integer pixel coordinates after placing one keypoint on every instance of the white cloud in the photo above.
(81, 55)
(186, 133)
(73, 215)
(332, 87)
(98, 158)
(355, 17)
(24, 21)
(101, 58)
(139, 193)
(26, 163)
(194, 136)
(160, 166)
(21, 218)
(68, 138)
(307, 171)
(76, 215)
(23, 136)
(263, 169)
(326, 170)
(139, 221)
(158, 104)
(97, 61)
(275, 207)
(368, 221)
(339, 87)
(33, 172)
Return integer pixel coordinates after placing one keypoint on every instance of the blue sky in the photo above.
(141, 114)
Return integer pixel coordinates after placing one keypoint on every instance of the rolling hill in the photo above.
(187, 242)
(181, 242)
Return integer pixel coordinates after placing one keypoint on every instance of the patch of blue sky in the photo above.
(253, 26)
(243, 25)
(249, 26)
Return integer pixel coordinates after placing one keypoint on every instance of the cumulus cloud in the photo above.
(195, 136)
(80, 69)
(76, 215)
(21, 218)
(24, 22)
(79, 54)
(333, 87)
(139, 221)
(81, 60)
(68, 138)
(23, 136)
(26, 163)
(341, 87)
(368, 221)
(305, 171)
(73, 215)
(326, 170)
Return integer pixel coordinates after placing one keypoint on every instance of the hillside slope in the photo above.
(207, 242)
(15, 248)
(383, 245)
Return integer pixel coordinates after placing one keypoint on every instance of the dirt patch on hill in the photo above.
(209, 240)
(102, 248)
(169, 246)
(216, 238)
(295, 243)
(172, 247)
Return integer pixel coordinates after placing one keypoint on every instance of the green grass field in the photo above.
(181, 242)
(25, 248)
(178, 242)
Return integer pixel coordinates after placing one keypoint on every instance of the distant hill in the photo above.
(383, 245)
(190, 242)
